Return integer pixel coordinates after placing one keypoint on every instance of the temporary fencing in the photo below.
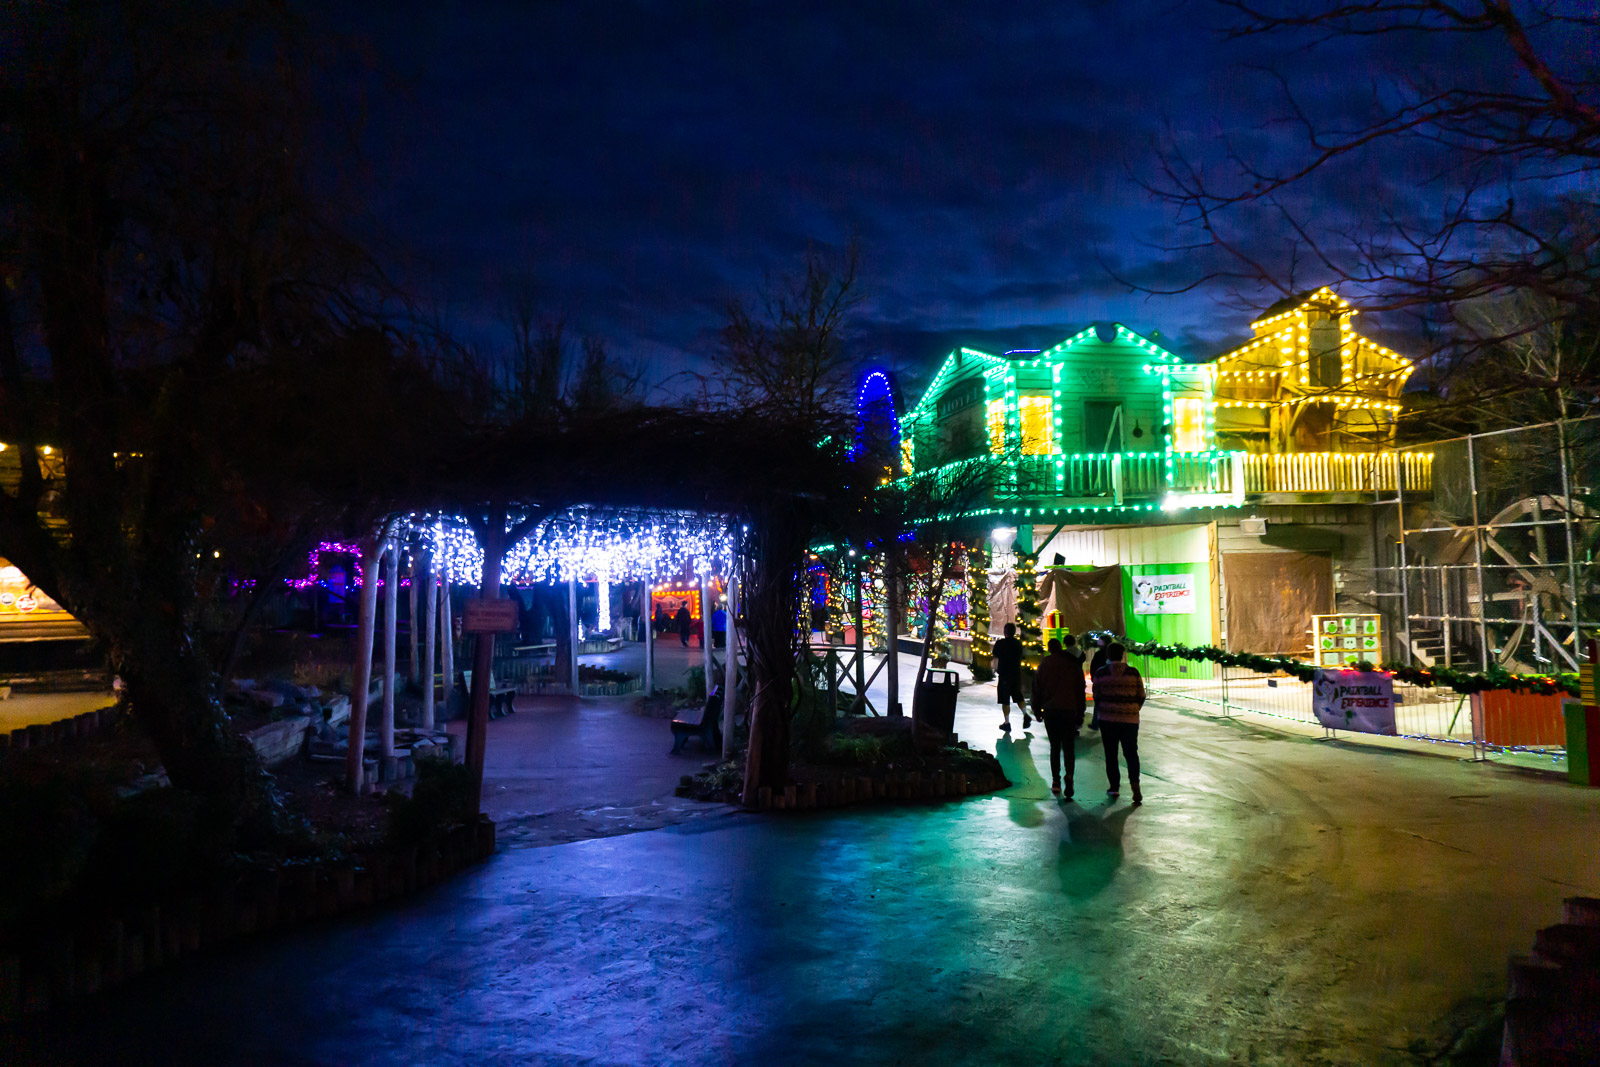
(1493, 720)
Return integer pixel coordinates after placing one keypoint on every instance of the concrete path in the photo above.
(26, 709)
(563, 769)
(1278, 899)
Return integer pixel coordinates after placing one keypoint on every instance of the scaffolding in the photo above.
(1495, 565)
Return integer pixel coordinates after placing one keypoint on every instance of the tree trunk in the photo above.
(927, 631)
(494, 548)
(370, 548)
(774, 551)
(171, 693)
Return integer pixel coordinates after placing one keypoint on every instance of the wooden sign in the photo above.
(489, 617)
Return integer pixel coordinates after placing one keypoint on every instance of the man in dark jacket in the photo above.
(684, 624)
(1008, 676)
(1058, 699)
(1118, 696)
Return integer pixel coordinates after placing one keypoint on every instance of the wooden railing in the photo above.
(1119, 476)
(1338, 472)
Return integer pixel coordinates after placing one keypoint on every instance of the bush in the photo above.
(47, 831)
(864, 751)
(695, 678)
(154, 842)
(441, 798)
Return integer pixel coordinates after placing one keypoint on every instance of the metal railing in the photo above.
(1438, 715)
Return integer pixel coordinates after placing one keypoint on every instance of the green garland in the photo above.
(1459, 681)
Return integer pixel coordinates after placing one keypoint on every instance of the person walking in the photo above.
(684, 624)
(1095, 664)
(1118, 696)
(1058, 699)
(719, 627)
(1008, 677)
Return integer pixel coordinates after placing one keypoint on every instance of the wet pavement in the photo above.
(1278, 899)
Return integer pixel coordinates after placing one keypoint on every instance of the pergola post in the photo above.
(413, 667)
(447, 636)
(370, 554)
(391, 612)
(494, 550)
(891, 602)
(730, 668)
(705, 632)
(649, 641)
(572, 629)
(430, 627)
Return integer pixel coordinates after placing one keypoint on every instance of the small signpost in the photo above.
(489, 616)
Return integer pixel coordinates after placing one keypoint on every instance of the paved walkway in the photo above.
(26, 709)
(562, 769)
(1278, 899)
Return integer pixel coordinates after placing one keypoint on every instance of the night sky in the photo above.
(637, 165)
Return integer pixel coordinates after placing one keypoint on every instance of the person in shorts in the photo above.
(1008, 677)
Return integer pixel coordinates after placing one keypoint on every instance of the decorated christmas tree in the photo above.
(1028, 610)
(874, 605)
(982, 666)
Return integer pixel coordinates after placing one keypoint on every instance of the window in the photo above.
(1037, 415)
(1188, 425)
(997, 426)
(1326, 371)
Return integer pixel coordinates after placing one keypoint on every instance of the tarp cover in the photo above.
(1087, 599)
(1271, 598)
(1002, 599)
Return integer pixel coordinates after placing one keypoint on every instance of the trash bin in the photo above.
(934, 701)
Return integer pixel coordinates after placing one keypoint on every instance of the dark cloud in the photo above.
(641, 164)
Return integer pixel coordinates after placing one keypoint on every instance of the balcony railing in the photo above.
(1198, 478)
(1118, 477)
(1338, 472)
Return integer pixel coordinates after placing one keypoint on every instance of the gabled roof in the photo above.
(1298, 301)
(1048, 355)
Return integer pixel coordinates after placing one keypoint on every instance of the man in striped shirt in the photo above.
(1118, 696)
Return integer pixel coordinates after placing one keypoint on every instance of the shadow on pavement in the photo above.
(1091, 849)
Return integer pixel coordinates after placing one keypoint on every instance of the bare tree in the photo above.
(1514, 147)
(176, 320)
(786, 366)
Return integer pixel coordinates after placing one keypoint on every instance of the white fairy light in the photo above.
(586, 544)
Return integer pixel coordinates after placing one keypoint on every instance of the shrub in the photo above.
(439, 799)
(864, 751)
(46, 833)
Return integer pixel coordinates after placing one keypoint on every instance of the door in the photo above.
(1102, 426)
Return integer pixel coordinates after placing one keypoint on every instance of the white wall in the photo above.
(1104, 546)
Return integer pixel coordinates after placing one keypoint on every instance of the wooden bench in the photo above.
(707, 726)
(501, 697)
